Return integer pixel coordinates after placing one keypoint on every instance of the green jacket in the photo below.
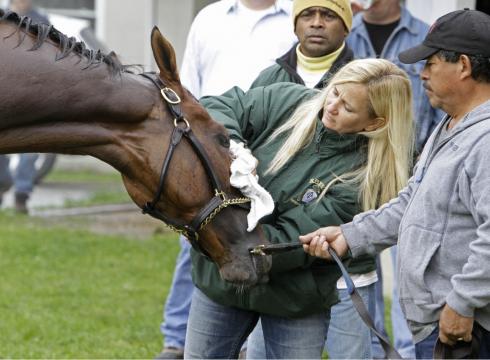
(299, 284)
(285, 71)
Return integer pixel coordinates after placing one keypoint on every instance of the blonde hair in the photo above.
(390, 147)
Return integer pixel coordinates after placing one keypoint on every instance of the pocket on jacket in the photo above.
(416, 248)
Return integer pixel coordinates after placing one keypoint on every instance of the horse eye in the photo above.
(224, 140)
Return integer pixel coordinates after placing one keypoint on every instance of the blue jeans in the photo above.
(402, 337)
(5, 177)
(425, 348)
(348, 336)
(216, 331)
(178, 303)
(23, 179)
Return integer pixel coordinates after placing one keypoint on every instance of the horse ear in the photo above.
(164, 56)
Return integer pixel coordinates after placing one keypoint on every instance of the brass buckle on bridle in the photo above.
(182, 119)
(173, 93)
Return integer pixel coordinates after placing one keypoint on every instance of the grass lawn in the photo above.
(69, 293)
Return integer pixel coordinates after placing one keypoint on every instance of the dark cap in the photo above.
(463, 31)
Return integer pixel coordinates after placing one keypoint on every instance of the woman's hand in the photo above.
(317, 242)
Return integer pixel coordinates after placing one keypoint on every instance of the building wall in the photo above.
(430, 10)
(126, 28)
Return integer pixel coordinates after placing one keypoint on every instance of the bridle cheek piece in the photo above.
(217, 203)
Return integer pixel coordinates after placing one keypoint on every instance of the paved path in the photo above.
(56, 194)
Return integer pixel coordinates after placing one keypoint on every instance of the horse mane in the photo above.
(67, 45)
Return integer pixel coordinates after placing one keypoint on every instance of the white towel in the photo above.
(243, 178)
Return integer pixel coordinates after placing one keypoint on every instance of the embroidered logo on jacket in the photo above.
(309, 196)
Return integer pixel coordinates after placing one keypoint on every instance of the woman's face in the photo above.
(346, 110)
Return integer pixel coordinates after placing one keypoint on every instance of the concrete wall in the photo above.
(174, 17)
(126, 27)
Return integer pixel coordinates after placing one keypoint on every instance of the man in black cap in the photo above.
(441, 220)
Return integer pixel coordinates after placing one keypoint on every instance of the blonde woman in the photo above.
(324, 156)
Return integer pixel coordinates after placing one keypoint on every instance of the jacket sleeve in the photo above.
(471, 287)
(338, 206)
(373, 231)
(241, 113)
(253, 114)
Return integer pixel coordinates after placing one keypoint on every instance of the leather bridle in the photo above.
(217, 203)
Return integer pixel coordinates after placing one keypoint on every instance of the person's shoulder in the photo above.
(290, 91)
(414, 22)
(267, 76)
(209, 12)
(285, 5)
(356, 22)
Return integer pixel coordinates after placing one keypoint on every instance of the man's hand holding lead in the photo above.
(316, 243)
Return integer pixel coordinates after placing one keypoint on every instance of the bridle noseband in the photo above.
(217, 203)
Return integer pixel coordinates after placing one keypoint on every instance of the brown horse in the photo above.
(57, 96)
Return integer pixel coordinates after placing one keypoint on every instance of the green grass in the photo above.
(388, 326)
(68, 293)
(61, 175)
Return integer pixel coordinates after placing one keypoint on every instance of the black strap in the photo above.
(390, 351)
(182, 129)
(270, 249)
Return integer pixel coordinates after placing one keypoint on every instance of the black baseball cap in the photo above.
(463, 31)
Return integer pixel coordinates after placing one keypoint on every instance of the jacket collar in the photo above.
(289, 62)
(406, 22)
(328, 140)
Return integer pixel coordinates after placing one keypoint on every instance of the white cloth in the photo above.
(229, 45)
(243, 178)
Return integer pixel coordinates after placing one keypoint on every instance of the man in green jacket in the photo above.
(321, 28)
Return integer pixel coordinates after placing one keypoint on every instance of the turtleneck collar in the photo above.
(317, 64)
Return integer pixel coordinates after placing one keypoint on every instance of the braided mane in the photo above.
(66, 45)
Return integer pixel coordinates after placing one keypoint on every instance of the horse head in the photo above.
(190, 184)
(58, 96)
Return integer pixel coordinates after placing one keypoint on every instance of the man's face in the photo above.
(320, 31)
(439, 78)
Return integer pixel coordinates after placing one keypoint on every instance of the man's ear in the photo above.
(375, 124)
(464, 67)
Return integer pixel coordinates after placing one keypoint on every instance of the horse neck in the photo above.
(57, 106)
(39, 92)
